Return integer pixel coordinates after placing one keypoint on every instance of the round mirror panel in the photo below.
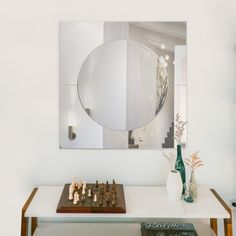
(122, 85)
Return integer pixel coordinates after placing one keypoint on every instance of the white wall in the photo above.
(29, 120)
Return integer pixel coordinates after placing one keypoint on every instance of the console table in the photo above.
(143, 204)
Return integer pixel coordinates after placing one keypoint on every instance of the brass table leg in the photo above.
(227, 222)
(25, 220)
(213, 223)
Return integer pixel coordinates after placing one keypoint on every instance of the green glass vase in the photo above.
(179, 165)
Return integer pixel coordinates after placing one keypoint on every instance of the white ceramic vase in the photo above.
(174, 185)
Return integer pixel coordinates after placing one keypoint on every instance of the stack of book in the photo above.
(168, 229)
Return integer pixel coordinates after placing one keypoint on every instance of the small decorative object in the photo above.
(89, 193)
(179, 164)
(83, 191)
(188, 197)
(75, 198)
(193, 162)
(174, 185)
(95, 198)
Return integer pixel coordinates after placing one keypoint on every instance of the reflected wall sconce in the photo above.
(71, 133)
(71, 124)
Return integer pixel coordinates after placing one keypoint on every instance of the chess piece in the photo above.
(83, 191)
(96, 183)
(71, 191)
(75, 198)
(72, 188)
(107, 186)
(108, 199)
(71, 195)
(113, 202)
(114, 186)
(100, 200)
(89, 193)
(84, 185)
(102, 189)
(83, 198)
(95, 198)
(80, 184)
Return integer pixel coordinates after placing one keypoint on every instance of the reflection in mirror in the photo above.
(123, 84)
(145, 46)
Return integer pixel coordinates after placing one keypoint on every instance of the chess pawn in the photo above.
(84, 185)
(75, 198)
(95, 198)
(89, 193)
(75, 201)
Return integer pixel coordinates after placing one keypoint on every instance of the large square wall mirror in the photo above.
(121, 84)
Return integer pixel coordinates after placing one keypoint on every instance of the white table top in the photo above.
(142, 203)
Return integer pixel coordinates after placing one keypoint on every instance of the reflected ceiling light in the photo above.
(163, 46)
(167, 57)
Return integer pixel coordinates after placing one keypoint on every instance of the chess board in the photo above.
(88, 205)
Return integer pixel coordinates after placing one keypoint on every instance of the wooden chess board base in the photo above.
(89, 206)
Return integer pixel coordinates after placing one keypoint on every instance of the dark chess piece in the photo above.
(234, 204)
(100, 200)
(107, 186)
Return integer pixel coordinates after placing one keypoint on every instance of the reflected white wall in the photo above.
(181, 85)
(72, 55)
(104, 74)
(141, 85)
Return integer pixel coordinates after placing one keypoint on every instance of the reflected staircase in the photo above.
(169, 140)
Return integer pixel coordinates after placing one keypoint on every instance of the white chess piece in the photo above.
(71, 191)
(71, 195)
(83, 191)
(84, 185)
(75, 198)
(73, 182)
(95, 198)
(89, 193)
(80, 185)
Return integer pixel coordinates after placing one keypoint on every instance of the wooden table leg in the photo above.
(25, 220)
(228, 227)
(227, 222)
(213, 223)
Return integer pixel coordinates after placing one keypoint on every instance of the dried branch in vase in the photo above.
(162, 83)
(179, 128)
(194, 161)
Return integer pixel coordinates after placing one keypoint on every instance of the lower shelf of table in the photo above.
(98, 229)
